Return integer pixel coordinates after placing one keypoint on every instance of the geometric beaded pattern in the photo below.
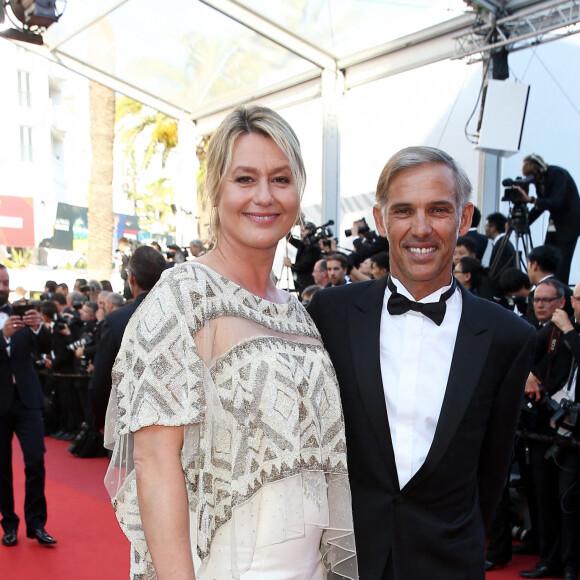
(278, 412)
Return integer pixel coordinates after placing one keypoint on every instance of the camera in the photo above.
(322, 232)
(84, 340)
(365, 230)
(511, 194)
(59, 322)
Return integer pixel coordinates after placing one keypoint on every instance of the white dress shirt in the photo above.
(415, 358)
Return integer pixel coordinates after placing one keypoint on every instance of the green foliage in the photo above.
(158, 136)
(20, 258)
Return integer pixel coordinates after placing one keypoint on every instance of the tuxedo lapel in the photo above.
(471, 348)
(364, 334)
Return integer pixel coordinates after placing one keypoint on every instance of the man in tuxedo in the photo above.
(431, 390)
(145, 268)
(21, 404)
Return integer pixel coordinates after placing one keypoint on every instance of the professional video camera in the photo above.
(511, 194)
(322, 232)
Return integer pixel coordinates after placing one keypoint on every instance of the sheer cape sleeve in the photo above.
(168, 373)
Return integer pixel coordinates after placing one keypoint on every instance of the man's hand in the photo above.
(561, 320)
(525, 197)
(32, 318)
(13, 324)
(287, 263)
(532, 389)
(80, 351)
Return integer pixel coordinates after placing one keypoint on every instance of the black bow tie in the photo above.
(399, 304)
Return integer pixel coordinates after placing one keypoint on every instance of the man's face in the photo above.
(87, 313)
(576, 302)
(422, 223)
(4, 286)
(320, 274)
(336, 272)
(460, 252)
(489, 230)
(546, 301)
(102, 301)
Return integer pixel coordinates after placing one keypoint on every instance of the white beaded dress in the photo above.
(264, 455)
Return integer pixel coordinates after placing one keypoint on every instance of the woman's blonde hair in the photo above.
(242, 121)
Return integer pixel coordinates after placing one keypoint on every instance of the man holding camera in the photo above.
(21, 404)
(555, 467)
(557, 193)
(307, 254)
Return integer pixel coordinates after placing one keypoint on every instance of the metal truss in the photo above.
(538, 24)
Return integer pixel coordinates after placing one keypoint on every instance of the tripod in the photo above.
(518, 224)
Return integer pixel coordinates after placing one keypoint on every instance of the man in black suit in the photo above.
(480, 240)
(556, 192)
(145, 268)
(503, 253)
(543, 263)
(431, 390)
(21, 404)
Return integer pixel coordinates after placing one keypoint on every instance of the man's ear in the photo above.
(379, 221)
(465, 221)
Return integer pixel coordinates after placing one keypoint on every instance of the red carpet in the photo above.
(90, 544)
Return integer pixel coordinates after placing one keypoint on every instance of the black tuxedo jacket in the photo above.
(433, 527)
(19, 365)
(107, 350)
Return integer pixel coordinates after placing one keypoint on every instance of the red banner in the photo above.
(16, 221)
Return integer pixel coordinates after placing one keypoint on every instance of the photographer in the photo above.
(308, 253)
(366, 244)
(555, 467)
(557, 193)
(21, 404)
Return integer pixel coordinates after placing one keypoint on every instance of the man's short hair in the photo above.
(147, 265)
(51, 285)
(468, 242)
(547, 257)
(322, 265)
(476, 217)
(196, 243)
(62, 285)
(556, 284)
(60, 298)
(116, 299)
(412, 157)
(513, 280)
(338, 258)
(93, 306)
(309, 291)
(498, 221)
(381, 259)
(48, 308)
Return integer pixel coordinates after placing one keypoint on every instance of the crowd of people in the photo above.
(370, 435)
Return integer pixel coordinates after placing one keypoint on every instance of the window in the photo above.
(26, 144)
(23, 88)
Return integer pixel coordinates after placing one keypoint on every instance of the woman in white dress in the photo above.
(229, 453)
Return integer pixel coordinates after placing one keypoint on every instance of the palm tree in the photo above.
(100, 198)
